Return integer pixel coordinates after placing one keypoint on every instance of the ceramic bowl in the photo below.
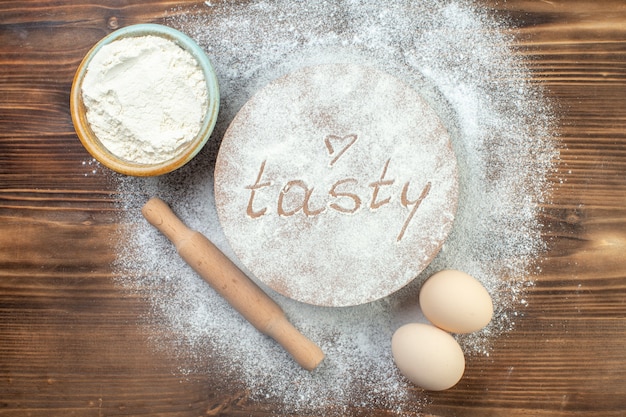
(91, 142)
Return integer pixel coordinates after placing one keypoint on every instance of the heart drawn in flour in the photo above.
(338, 145)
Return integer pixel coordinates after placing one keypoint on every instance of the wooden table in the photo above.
(70, 343)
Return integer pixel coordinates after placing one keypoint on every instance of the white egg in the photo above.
(456, 302)
(427, 356)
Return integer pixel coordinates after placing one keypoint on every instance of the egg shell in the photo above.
(455, 301)
(427, 356)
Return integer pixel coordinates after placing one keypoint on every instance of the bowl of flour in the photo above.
(144, 100)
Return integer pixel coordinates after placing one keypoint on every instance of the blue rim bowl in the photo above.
(93, 144)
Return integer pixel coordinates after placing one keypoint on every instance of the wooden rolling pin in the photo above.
(232, 284)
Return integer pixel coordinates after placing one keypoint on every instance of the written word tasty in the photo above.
(345, 195)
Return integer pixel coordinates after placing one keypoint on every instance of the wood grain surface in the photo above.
(70, 343)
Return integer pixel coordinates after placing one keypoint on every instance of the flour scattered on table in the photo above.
(502, 129)
(92, 167)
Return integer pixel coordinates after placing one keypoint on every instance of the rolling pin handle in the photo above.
(159, 214)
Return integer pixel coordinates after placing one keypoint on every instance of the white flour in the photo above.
(145, 97)
(502, 130)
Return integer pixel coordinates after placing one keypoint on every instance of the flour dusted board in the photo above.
(336, 184)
